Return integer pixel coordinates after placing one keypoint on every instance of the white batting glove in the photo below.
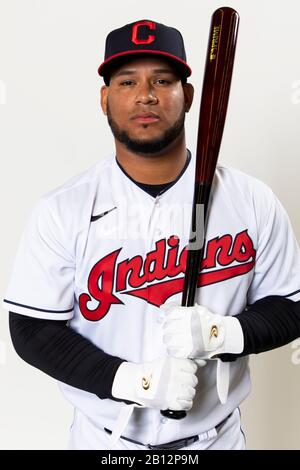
(165, 383)
(195, 332)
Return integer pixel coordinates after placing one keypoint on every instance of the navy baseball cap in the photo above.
(141, 38)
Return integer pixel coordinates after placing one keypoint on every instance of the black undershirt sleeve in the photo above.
(62, 353)
(57, 350)
(267, 324)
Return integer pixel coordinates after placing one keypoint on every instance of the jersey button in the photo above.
(163, 420)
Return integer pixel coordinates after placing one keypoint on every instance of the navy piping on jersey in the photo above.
(38, 309)
(155, 189)
(293, 293)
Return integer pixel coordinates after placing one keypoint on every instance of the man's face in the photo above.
(146, 103)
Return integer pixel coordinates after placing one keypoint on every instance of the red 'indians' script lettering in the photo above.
(164, 264)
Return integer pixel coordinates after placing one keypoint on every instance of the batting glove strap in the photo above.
(220, 334)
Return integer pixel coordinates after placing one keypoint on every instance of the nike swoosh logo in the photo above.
(96, 217)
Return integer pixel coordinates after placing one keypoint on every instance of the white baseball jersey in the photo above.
(103, 253)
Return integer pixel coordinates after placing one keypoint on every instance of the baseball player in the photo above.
(95, 292)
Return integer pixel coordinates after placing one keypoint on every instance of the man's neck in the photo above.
(156, 169)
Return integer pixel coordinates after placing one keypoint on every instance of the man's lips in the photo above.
(145, 117)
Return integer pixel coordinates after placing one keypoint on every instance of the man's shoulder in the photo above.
(245, 192)
(233, 178)
(82, 184)
(71, 202)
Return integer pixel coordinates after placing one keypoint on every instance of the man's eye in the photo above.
(162, 81)
(126, 82)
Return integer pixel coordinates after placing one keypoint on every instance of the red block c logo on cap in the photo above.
(135, 31)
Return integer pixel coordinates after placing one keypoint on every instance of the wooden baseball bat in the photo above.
(214, 100)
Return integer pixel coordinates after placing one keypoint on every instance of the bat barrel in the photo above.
(215, 90)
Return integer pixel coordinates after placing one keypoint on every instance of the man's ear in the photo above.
(188, 91)
(104, 94)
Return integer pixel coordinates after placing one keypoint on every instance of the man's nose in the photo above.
(146, 94)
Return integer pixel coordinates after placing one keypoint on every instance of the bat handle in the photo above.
(188, 300)
(201, 198)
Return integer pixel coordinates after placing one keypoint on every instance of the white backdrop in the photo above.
(52, 128)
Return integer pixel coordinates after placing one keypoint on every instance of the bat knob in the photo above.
(173, 414)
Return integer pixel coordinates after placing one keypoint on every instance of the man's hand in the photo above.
(195, 332)
(165, 383)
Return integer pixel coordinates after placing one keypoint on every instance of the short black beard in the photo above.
(145, 147)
